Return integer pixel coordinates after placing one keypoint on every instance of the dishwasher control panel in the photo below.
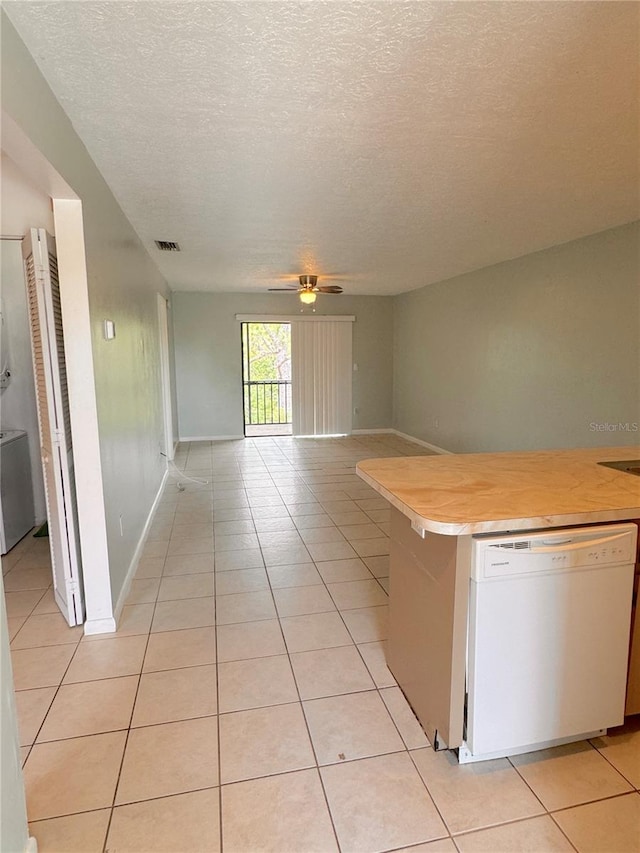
(549, 551)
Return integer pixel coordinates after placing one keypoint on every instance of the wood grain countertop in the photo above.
(466, 493)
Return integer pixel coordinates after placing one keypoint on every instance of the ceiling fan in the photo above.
(308, 288)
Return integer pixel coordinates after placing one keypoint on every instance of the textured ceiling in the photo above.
(400, 143)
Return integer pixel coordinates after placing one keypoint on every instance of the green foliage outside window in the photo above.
(266, 352)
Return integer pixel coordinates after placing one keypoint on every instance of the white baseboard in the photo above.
(385, 431)
(433, 447)
(32, 845)
(406, 436)
(100, 626)
(133, 565)
(210, 437)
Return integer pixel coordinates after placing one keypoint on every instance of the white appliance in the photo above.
(549, 617)
(16, 490)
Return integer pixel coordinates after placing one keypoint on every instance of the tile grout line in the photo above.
(215, 614)
(549, 812)
(32, 611)
(133, 707)
(294, 679)
(303, 712)
(392, 719)
(375, 686)
(57, 690)
(613, 767)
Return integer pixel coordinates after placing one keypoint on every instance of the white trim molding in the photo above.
(356, 432)
(133, 565)
(295, 318)
(30, 160)
(385, 431)
(211, 437)
(422, 443)
(314, 435)
(83, 408)
(100, 626)
(406, 436)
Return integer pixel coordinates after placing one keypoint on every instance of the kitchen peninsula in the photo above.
(439, 503)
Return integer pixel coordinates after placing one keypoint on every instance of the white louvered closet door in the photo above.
(321, 374)
(45, 319)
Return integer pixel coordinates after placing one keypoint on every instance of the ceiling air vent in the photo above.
(167, 246)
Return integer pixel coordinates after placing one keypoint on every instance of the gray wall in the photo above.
(13, 811)
(526, 354)
(123, 283)
(208, 356)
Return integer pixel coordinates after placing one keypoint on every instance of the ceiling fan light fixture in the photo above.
(308, 280)
(308, 297)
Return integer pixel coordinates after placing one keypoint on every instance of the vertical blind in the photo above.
(321, 355)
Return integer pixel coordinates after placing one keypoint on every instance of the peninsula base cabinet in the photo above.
(633, 680)
(428, 607)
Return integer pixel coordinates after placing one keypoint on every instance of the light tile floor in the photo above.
(244, 704)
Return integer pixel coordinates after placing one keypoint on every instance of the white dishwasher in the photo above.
(549, 619)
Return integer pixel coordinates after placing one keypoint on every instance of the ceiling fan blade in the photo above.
(331, 288)
(331, 276)
(284, 289)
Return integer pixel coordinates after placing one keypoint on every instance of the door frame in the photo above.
(165, 376)
(246, 377)
(292, 319)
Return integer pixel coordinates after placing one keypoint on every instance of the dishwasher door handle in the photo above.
(570, 545)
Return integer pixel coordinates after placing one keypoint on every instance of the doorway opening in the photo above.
(165, 376)
(266, 379)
